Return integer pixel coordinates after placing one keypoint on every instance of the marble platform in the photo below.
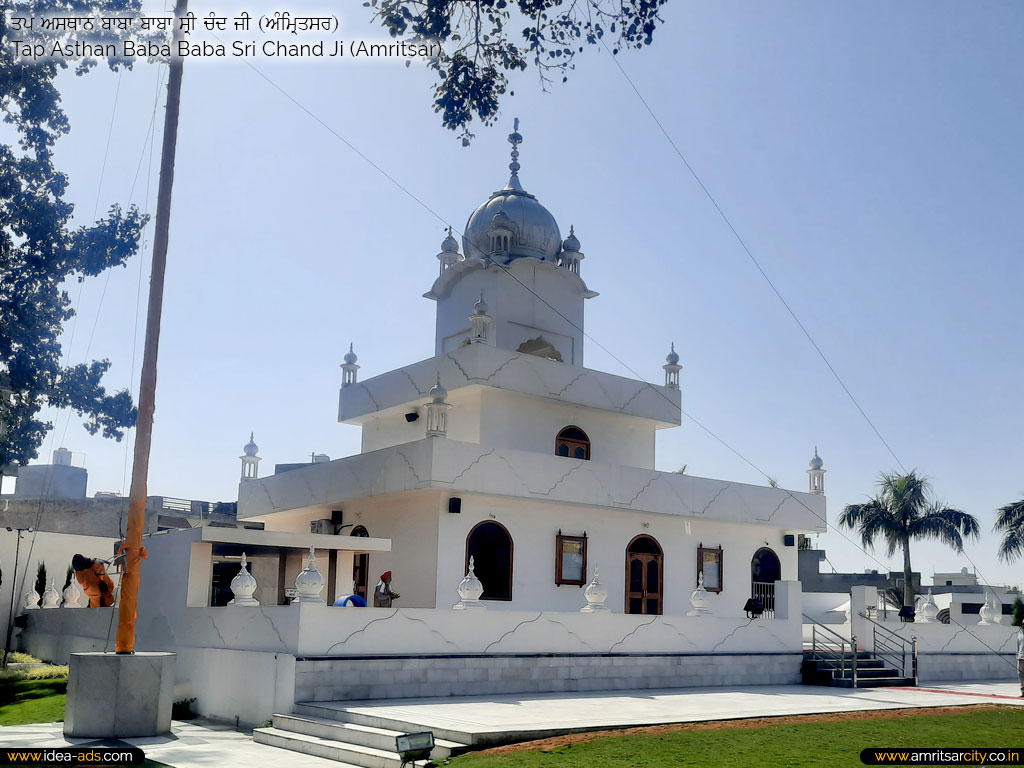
(113, 696)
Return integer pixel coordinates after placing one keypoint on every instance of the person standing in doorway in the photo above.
(382, 595)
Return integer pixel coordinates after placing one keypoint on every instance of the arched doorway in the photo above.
(765, 570)
(490, 546)
(360, 566)
(645, 576)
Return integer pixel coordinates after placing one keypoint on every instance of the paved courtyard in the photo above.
(202, 744)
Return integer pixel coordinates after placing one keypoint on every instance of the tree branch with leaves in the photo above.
(903, 511)
(42, 250)
(481, 45)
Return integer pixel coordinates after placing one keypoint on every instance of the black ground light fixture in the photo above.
(414, 746)
(753, 607)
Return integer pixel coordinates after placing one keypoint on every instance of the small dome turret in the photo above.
(672, 368)
(571, 243)
(450, 244)
(816, 475)
(480, 307)
(500, 219)
(350, 357)
(672, 358)
(437, 393)
(816, 462)
(251, 449)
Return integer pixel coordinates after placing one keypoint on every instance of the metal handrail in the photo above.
(827, 648)
(894, 647)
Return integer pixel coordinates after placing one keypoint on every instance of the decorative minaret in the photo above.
(250, 461)
(449, 254)
(480, 322)
(672, 368)
(437, 411)
(500, 235)
(816, 474)
(571, 255)
(349, 368)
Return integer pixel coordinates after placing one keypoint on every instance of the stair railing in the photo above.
(894, 648)
(833, 650)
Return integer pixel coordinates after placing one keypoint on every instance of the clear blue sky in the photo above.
(869, 154)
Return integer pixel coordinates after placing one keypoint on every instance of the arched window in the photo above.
(573, 442)
(490, 546)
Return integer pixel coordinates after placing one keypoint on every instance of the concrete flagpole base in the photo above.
(119, 697)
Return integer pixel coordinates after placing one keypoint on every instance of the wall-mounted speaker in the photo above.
(455, 505)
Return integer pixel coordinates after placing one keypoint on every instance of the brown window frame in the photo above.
(560, 539)
(721, 570)
(573, 443)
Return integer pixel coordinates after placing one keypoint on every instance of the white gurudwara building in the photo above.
(504, 448)
(512, 493)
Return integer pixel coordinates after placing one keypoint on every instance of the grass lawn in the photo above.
(32, 701)
(38, 701)
(829, 740)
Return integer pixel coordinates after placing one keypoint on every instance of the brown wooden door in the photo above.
(643, 583)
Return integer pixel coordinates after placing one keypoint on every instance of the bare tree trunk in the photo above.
(908, 586)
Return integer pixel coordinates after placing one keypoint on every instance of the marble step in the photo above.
(343, 715)
(353, 733)
(349, 755)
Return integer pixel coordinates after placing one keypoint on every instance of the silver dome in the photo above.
(534, 230)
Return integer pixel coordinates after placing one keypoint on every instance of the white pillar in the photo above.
(861, 599)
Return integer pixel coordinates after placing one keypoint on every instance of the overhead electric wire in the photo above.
(750, 255)
(760, 269)
(506, 271)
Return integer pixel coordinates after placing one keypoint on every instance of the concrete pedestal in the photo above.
(119, 697)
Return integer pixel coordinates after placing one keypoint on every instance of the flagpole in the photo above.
(132, 547)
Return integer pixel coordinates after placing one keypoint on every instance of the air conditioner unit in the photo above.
(322, 526)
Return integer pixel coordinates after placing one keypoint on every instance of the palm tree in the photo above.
(1010, 521)
(902, 511)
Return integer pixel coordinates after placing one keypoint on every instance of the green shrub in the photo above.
(1018, 612)
(41, 578)
(48, 672)
(17, 657)
(43, 672)
(182, 710)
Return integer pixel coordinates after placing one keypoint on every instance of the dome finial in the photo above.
(515, 139)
